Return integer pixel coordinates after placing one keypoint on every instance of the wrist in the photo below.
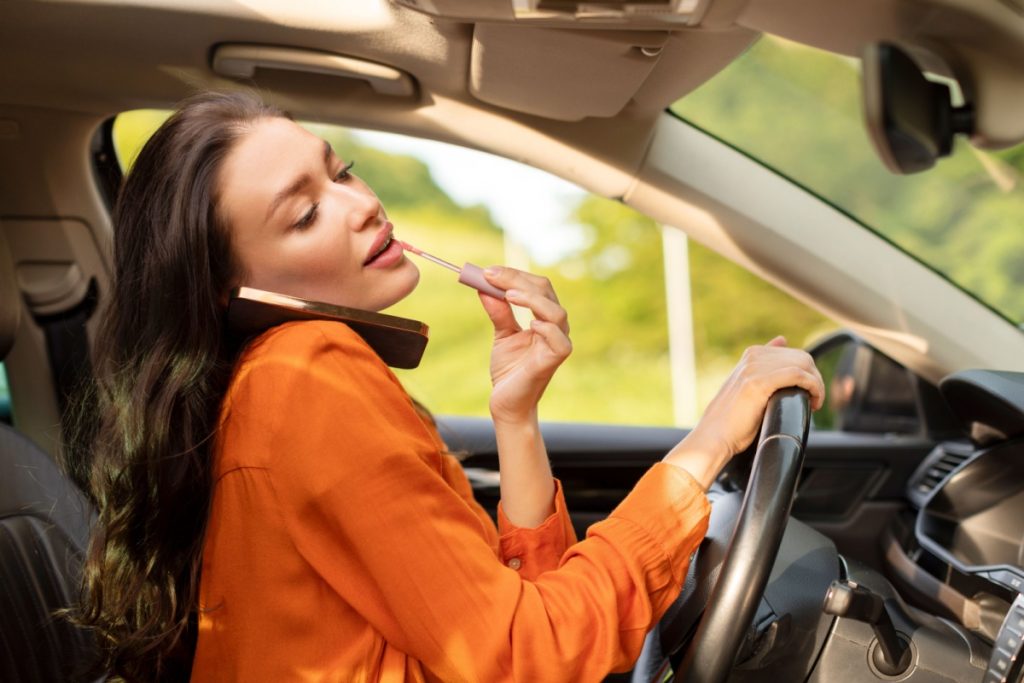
(517, 420)
(712, 446)
(527, 487)
(702, 458)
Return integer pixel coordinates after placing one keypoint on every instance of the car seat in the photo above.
(44, 530)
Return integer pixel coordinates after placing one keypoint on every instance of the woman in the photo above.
(289, 497)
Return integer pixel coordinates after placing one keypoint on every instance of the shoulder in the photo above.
(311, 358)
(301, 338)
(303, 387)
(308, 344)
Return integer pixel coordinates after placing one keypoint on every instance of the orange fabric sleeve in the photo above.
(452, 472)
(360, 488)
(531, 550)
(537, 549)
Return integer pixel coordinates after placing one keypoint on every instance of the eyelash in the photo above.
(310, 216)
(343, 174)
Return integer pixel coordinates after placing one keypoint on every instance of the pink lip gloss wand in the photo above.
(469, 274)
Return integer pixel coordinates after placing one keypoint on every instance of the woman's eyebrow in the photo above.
(297, 185)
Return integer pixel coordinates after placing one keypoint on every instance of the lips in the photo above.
(380, 243)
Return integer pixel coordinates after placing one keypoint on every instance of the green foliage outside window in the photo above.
(798, 110)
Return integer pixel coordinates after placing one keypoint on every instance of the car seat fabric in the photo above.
(44, 532)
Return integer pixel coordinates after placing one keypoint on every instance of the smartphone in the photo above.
(399, 342)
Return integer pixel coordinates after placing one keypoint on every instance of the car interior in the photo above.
(886, 546)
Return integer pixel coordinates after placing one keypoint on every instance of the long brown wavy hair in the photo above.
(163, 362)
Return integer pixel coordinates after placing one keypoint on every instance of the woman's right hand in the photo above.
(523, 361)
(733, 417)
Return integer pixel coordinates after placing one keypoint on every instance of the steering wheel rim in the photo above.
(755, 540)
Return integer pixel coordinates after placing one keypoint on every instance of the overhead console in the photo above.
(568, 60)
(911, 51)
(569, 12)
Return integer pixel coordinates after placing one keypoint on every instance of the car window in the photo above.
(631, 364)
(798, 110)
(5, 396)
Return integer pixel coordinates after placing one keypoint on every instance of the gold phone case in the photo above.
(399, 342)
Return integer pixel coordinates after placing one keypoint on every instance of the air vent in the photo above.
(945, 458)
(937, 472)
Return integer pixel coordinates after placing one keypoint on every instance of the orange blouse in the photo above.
(344, 545)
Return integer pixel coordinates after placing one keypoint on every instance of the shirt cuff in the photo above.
(532, 551)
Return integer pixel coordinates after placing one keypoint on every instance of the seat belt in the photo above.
(67, 348)
(61, 301)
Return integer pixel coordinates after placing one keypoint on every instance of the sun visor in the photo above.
(560, 73)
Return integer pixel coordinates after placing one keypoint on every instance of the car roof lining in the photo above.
(170, 42)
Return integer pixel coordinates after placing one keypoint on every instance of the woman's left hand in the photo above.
(523, 360)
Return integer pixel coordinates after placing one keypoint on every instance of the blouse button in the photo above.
(515, 563)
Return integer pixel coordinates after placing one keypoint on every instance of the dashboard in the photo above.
(974, 518)
(970, 500)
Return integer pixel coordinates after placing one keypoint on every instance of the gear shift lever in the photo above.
(847, 599)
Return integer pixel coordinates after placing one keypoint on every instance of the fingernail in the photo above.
(512, 293)
(492, 270)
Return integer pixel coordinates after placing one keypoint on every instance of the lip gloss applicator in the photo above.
(470, 274)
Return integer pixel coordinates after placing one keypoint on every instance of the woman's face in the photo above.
(302, 225)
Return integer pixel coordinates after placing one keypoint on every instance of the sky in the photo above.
(532, 205)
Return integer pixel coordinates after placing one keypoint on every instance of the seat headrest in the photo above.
(10, 301)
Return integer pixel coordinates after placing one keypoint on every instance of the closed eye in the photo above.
(307, 218)
(310, 216)
(344, 174)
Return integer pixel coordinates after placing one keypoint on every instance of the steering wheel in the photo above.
(743, 565)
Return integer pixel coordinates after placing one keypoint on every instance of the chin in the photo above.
(403, 282)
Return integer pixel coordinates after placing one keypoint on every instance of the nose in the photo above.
(365, 209)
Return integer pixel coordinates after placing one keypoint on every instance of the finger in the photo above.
(804, 360)
(542, 307)
(554, 337)
(794, 377)
(815, 389)
(501, 315)
(760, 351)
(512, 278)
(817, 374)
(772, 355)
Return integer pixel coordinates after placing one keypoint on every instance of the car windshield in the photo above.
(798, 110)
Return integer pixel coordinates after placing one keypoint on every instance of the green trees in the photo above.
(799, 110)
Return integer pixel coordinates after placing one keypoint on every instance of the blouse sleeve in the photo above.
(530, 550)
(358, 481)
(535, 550)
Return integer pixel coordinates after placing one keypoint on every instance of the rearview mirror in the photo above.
(911, 119)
